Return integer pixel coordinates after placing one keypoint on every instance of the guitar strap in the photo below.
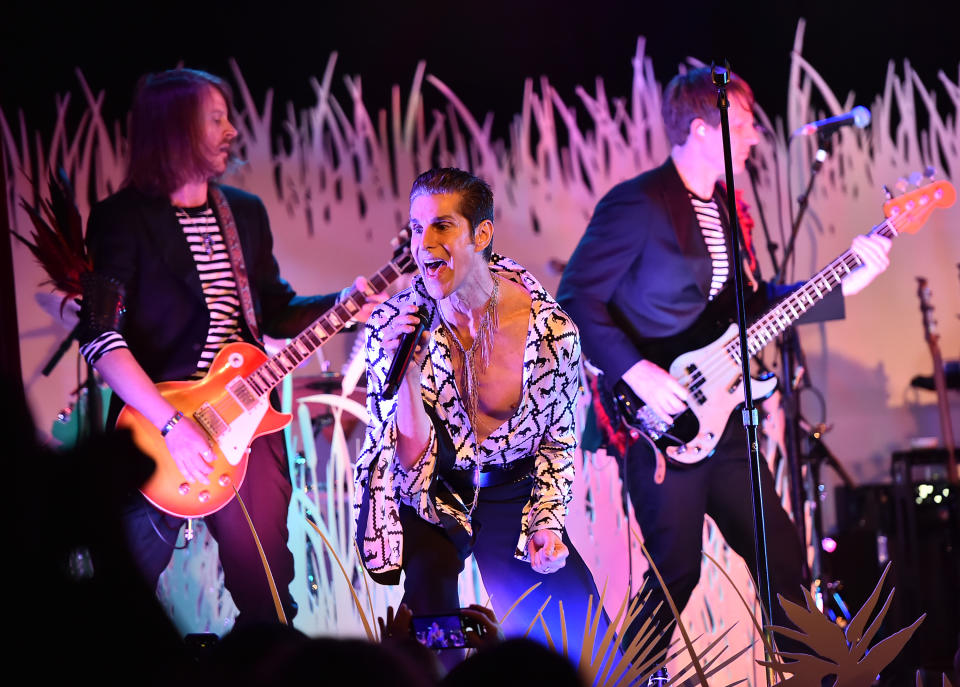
(230, 236)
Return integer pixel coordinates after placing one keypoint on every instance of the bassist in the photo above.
(656, 252)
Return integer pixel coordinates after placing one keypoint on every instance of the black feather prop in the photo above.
(58, 238)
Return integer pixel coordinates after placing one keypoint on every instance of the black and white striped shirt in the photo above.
(708, 217)
(203, 236)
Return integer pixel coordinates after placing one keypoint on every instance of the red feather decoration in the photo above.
(58, 238)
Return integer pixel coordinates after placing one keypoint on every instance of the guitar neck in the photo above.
(790, 309)
(262, 380)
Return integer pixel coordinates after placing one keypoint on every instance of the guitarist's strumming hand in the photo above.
(191, 450)
(872, 250)
(657, 388)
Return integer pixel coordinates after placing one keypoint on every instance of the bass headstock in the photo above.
(908, 212)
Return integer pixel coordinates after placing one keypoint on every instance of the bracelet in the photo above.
(177, 416)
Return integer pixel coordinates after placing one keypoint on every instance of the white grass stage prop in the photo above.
(335, 182)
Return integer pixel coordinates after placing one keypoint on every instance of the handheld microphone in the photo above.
(858, 117)
(404, 354)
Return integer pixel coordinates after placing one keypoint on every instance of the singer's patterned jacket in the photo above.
(542, 427)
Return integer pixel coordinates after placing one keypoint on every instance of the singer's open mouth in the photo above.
(432, 267)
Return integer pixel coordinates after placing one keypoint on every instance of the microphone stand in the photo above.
(827, 590)
(790, 356)
(751, 419)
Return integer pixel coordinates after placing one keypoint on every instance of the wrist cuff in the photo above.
(177, 416)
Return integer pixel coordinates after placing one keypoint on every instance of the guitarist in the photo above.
(163, 298)
(656, 251)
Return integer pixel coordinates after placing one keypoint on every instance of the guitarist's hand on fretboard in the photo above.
(191, 450)
(873, 252)
(373, 298)
(657, 388)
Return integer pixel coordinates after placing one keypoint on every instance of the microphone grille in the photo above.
(861, 116)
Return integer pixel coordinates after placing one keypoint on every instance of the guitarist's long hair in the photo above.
(166, 131)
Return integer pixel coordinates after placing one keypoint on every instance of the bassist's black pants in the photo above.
(670, 516)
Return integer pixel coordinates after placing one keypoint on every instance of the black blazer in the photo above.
(642, 271)
(137, 240)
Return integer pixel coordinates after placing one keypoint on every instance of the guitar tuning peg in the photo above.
(886, 191)
(902, 185)
(916, 178)
(929, 173)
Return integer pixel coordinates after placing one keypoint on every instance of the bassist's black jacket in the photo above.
(641, 273)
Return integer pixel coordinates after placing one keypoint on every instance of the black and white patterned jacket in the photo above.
(543, 427)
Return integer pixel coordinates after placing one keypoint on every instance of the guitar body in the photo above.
(716, 392)
(233, 420)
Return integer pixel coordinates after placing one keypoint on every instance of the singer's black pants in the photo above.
(431, 566)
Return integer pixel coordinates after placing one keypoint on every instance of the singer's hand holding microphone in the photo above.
(405, 338)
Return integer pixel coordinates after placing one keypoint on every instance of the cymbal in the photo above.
(325, 381)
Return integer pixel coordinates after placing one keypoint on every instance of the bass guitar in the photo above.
(709, 366)
(232, 403)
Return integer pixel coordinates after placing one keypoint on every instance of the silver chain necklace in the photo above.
(475, 361)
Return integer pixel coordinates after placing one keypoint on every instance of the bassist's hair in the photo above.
(692, 96)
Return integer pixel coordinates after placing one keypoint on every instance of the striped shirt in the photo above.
(203, 236)
(708, 217)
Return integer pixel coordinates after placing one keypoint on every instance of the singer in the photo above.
(475, 452)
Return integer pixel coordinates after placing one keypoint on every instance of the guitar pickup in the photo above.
(698, 379)
(210, 420)
(241, 391)
(736, 384)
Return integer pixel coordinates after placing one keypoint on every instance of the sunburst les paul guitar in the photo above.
(709, 366)
(232, 403)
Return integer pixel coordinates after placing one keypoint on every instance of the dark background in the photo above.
(482, 50)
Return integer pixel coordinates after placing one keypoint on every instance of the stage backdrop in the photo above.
(335, 186)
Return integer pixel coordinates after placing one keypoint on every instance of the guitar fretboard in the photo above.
(262, 380)
(788, 311)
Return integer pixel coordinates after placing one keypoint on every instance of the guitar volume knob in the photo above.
(184, 489)
(204, 496)
(224, 480)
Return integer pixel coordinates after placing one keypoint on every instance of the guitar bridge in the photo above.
(210, 420)
(654, 426)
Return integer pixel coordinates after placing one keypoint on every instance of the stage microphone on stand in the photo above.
(858, 117)
(404, 354)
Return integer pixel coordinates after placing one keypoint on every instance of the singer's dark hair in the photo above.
(476, 197)
(693, 95)
(166, 131)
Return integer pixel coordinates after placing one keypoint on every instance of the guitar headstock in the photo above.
(909, 211)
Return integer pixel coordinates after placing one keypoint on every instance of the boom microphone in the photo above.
(858, 117)
(404, 354)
